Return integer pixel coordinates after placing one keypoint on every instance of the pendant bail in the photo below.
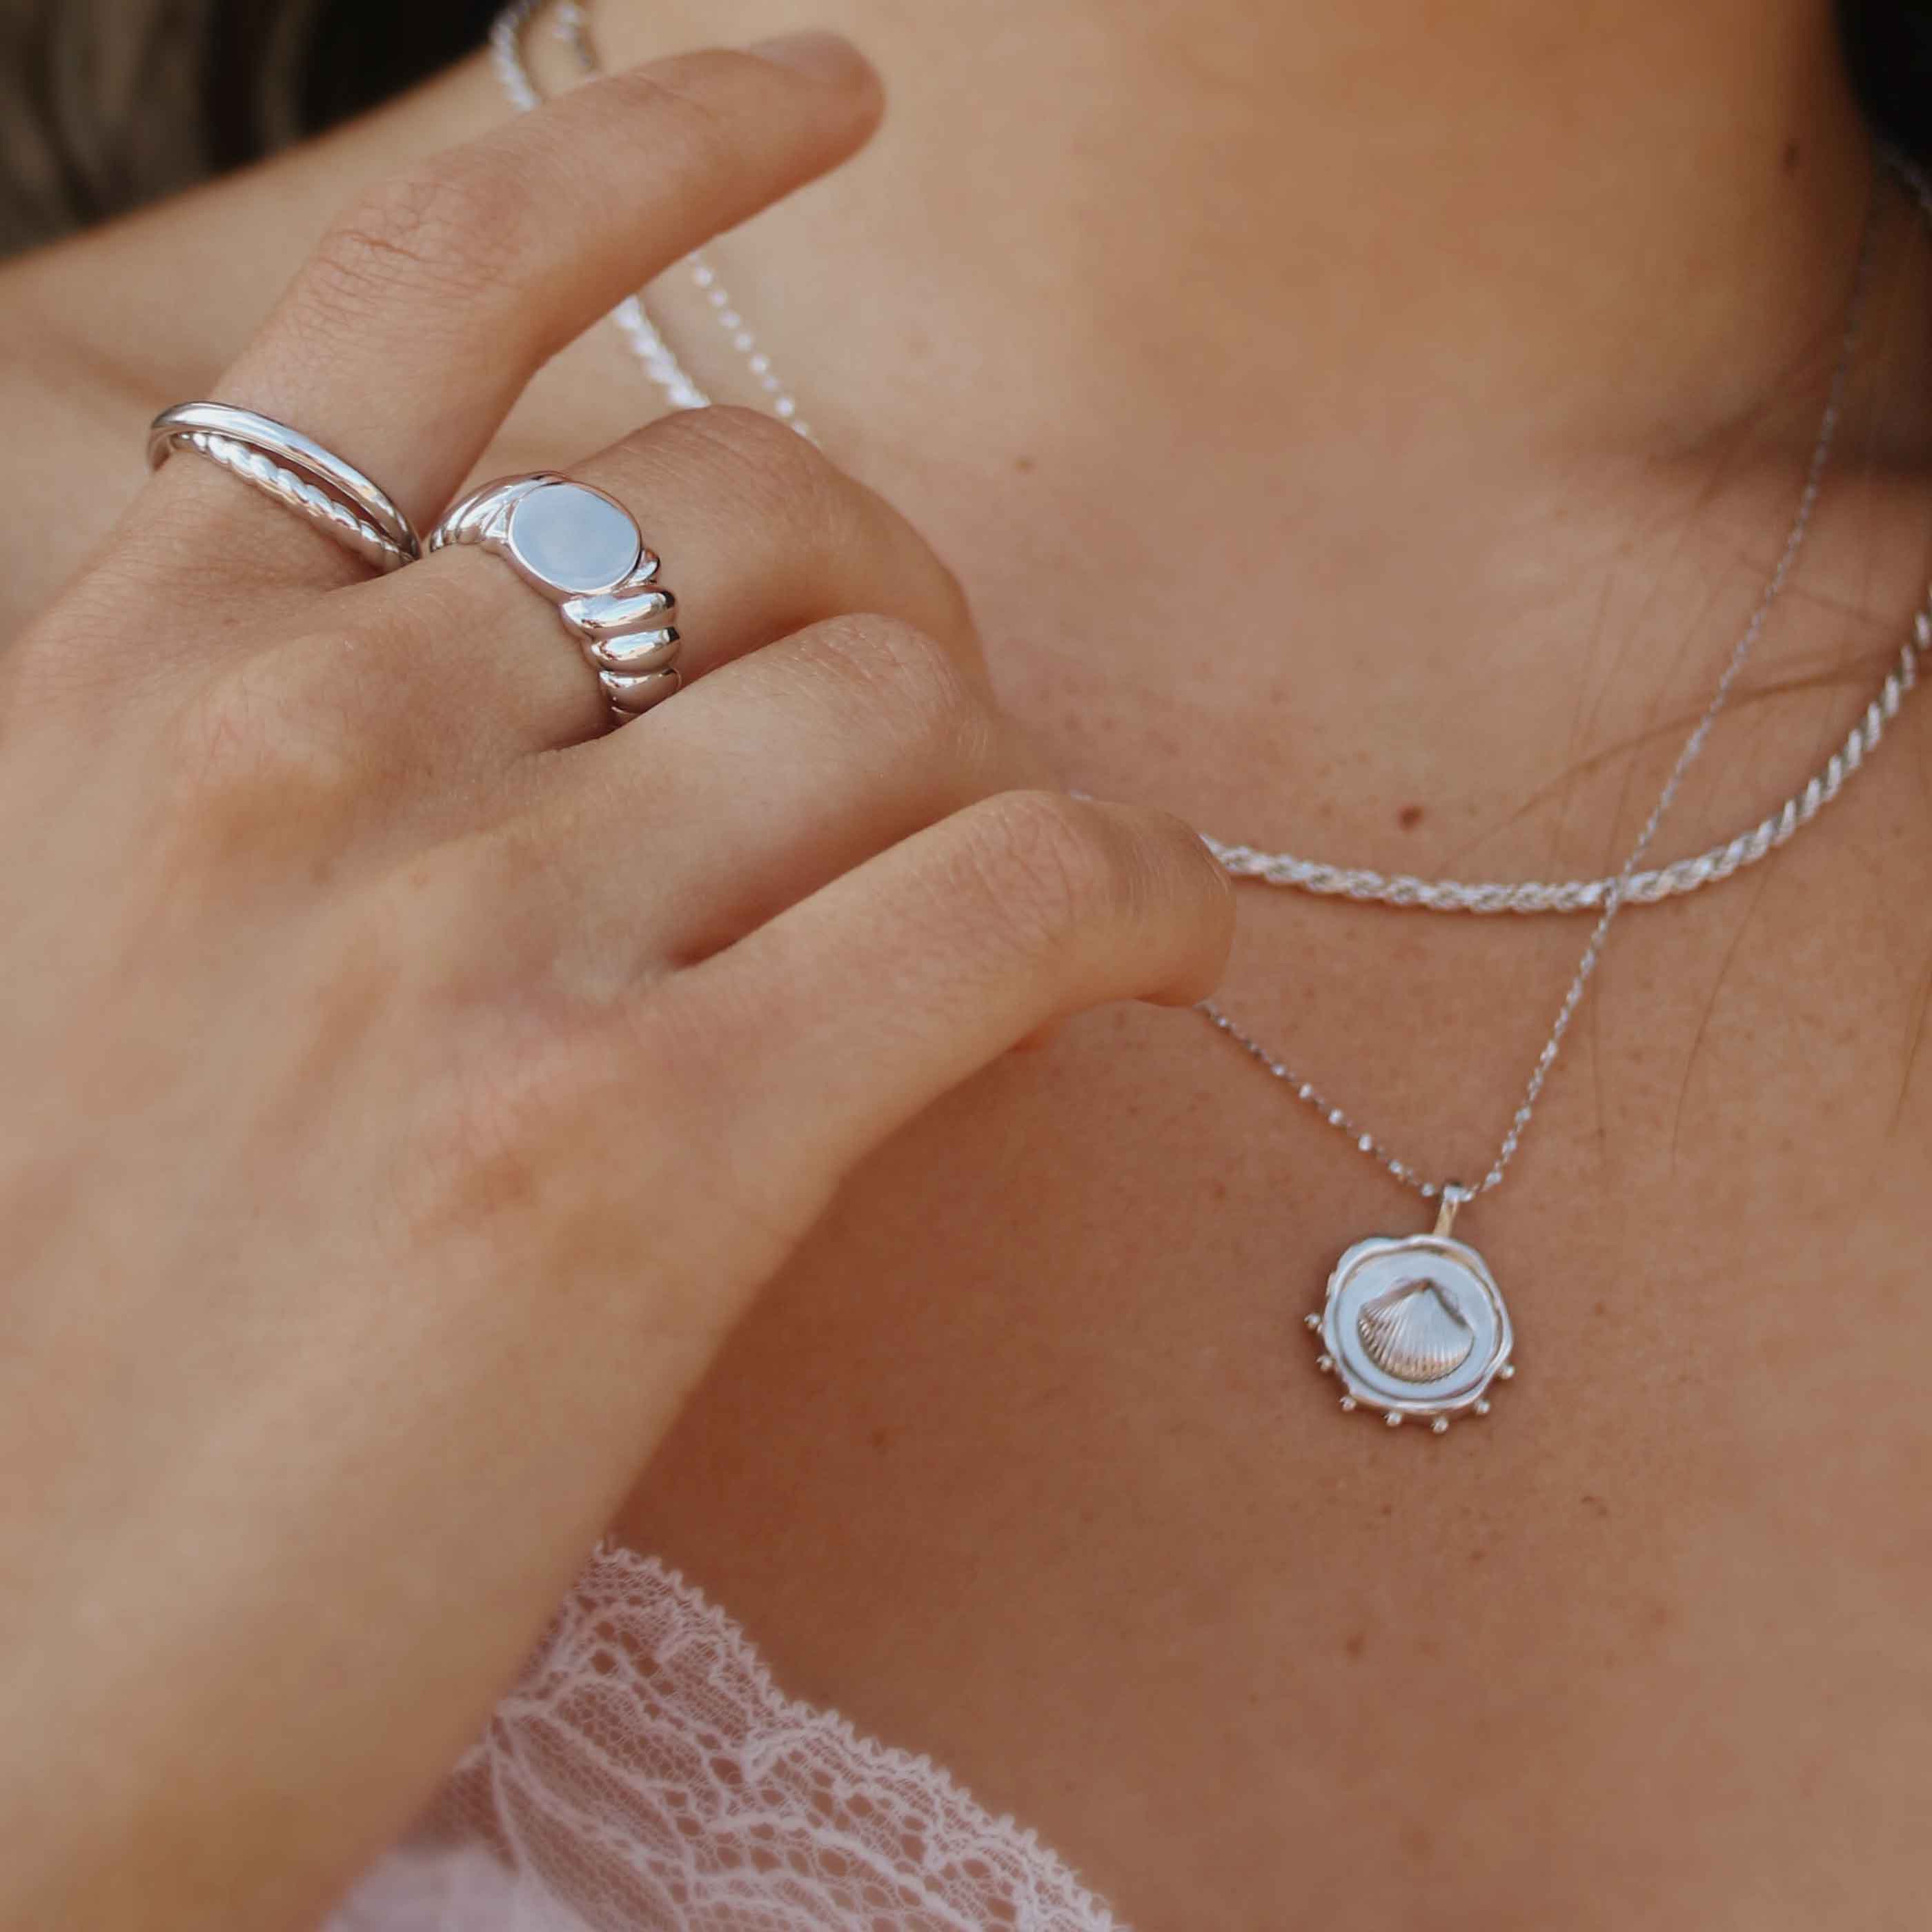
(1454, 1194)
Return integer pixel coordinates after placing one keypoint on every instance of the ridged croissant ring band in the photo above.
(584, 552)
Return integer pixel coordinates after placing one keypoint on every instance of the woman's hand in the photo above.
(407, 1087)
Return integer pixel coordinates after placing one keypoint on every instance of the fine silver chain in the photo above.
(1605, 896)
(1315, 877)
(1681, 876)
(1642, 888)
(1453, 1193)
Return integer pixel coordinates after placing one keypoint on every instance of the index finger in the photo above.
(405, 340)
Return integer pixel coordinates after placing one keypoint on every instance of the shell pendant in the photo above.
(1415, 1327)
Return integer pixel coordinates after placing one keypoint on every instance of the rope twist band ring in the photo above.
(582, 550)
(296, 472)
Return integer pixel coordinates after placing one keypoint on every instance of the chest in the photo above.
(1025, 1462)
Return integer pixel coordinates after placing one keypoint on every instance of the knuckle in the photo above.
(1050, 865)
(452, 229)
(74, 658)
(688, 127)
(905, 684)
(501, 1159)
(258, 757)
(1171, 845)
(766, 470)
(1172, 868)
(491, 1159)
(50, 668)
(466, 973)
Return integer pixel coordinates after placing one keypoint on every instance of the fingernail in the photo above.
(823, 56)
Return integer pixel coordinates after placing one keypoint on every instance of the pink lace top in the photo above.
(646, 1773)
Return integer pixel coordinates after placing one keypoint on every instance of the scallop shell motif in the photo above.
(1414, 1332)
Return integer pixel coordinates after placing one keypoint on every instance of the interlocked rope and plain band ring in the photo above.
(296, 472)
(583, 551)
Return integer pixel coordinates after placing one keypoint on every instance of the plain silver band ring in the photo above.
(583, 552)
(296, 472)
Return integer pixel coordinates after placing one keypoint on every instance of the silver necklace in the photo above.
(1317, 877)
(1679, 878)
(1414, 1326)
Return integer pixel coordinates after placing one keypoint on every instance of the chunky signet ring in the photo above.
(297, 471)
(583, 551)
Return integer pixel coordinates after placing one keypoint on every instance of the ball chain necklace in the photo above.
(1414, 1327)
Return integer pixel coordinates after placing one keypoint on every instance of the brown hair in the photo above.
(107, 104)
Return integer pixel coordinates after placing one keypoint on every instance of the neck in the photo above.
(1436, 350)
(1635, 218)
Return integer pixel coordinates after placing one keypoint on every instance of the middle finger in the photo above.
(761, 536)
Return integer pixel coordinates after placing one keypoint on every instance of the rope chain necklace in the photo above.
(1413, 1327)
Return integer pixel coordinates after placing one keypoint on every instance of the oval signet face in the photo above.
(1415, 1331)
(573, 541)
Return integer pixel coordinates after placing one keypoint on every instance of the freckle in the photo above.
(1218, 1188)
(1476, 1555)
(1596, 1506)
(1792, 153)
(1357, 1643)
(1024, 465)
(1409, 817)
(882, 1439)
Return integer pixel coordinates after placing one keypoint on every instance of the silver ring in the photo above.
(297, 471)
(584, 552)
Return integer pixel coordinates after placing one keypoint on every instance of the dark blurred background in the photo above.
(107, 103)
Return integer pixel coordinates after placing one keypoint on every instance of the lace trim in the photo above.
(648, 1773)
